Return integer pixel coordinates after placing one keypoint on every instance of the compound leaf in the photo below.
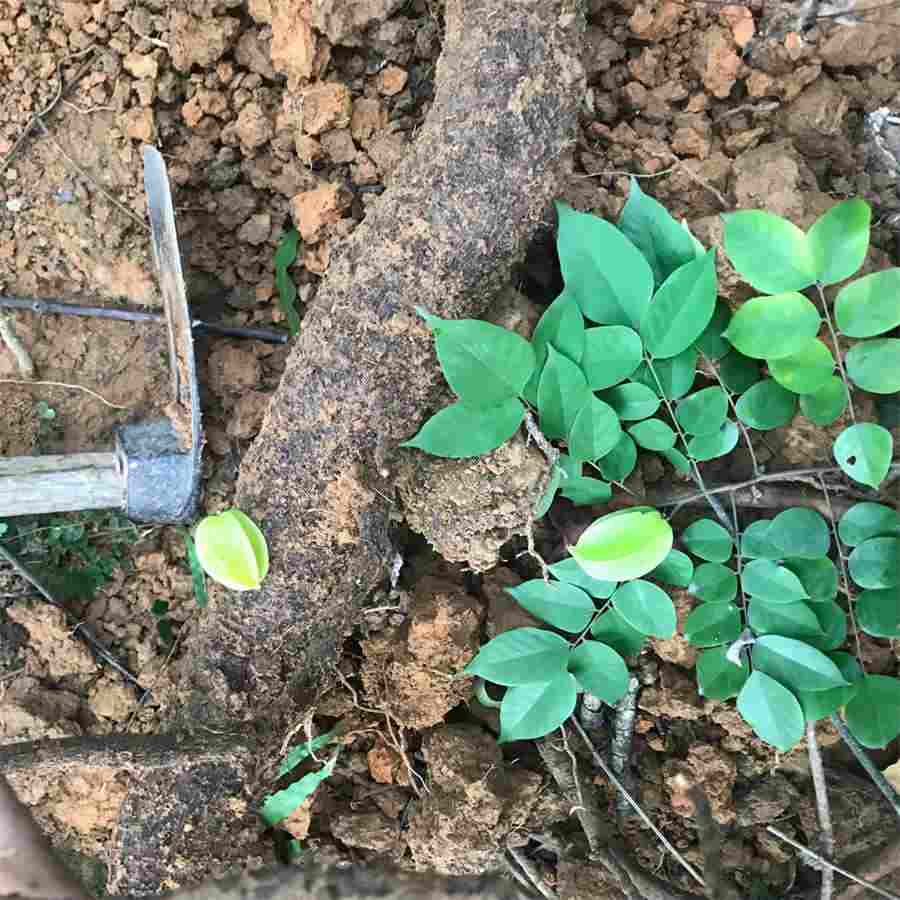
(763, 578)
(595, 430)
(584, 491)
(833, 622)
(820, 704)
(619, 463)
(631, 401)
(653, 434)
(561, 327)
(738, 372)
(713, 624)
(818, 576)
(878, 612)
(755, 543)
(714, 583)
(703, 412)
(671, 378)
(570, 572)
(459, 431)
(703, 447)
(711, 343)
(794, 620)
(613, 630)
(676, 569)
(867, 520)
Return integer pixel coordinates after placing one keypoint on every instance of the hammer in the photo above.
(153, 474)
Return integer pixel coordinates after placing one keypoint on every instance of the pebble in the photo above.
(17, 204)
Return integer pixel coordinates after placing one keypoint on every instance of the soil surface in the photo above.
(270, 116)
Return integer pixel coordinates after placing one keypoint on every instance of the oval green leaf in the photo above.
(232, 550)
(714, 583)
(703, 412)
(561, 327)
(800, 532)
(583, 491)
(878, 612)
(793, 620)
(562, 393)
(570, 572)
(600, 670)
(711, 343)
(611, 354)
(864, 452)
(875, 365)
(704, 447)
(839, 240)
(738, 372)
(818, 576)
(763, 578)
(631, 401)
(795, 664)
(676, 569)
(670, 378)
(826, 404)
(767, 405)
(768, 252)
(613, 630)
(806, 371)
(821, 704)
(594, 432)
(652, 434)
(873, 714)
(773, 327)
(712, 625)
(717, 677)
(533, 710)
(864, 309)
(563, 606)
(647, 608)
(624, 545)
(833, 622)
(521, 656)
(755, 543)
(867, 520)
(459, 431)
(681, 308)
(772, 711)
(875, 563)
(619, 463)
(708, 540)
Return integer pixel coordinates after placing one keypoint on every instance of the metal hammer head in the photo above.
(161, 459)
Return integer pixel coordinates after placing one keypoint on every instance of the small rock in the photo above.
(112, 698)
(391, 80)
(371, 831)
(386, 765)
(141, 65)
(740, 20)
(15, 205)
(309, 150)
(247, 415)
(713, 770)
(368, 118)
(195, 41)
(313, 211)
(233, 370)
(691, 142)
(600, 52)
(653, 22)
(387, 150)
(254, 53)
(766, 801)
(719, 65)
(326, 106)
(253, 127)
(294, 50)
(345, 21)
(256, 229)
(58, 653)
(339, 146)
(140, 124)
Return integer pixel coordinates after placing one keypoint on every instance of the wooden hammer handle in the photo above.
(31, 485)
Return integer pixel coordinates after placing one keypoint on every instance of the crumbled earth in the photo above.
(274, 114)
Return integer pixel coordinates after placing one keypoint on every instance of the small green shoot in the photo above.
(284, 284)
(232, 550)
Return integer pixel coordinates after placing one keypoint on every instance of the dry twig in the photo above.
(826, 841)
(63, 384)
(622, 738)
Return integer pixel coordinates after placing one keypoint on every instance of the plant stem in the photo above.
(837, 352)
(737, 542)
(743, 428)
(622, 738)
(809, 855)
(695, 469)
(863, 758)
(826, 841)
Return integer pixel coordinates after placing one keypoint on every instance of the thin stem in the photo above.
(695, 469)
(863, 758)
(531, 873)
(622, 739)
(601, 762)
(743, 428)
(737, 547)
(837, 351)
(809, 855)
(826, 841)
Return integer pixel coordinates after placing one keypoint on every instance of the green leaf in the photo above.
(708, 540)
(717, 677)
(631, 401)
(714, 583)
(839, 240)
(711, 343)
(533, 710)
(571, 468)
(875, 563)
(570, 572)
(611, 354)
(818, 576)
(773, 327)
(546, 500)
(800, 532)
(280, 805)
(562, 393)
(793, 620)
(681, 308)
(198, 578)
(232, 550)
(763, 578)
(864, 452)
(678, 460)
(875, 365)
(595, 430)
(584, 491)
(806, 371)
(521, 656)
(739, 372)
(767, 405)
(795, 664)
(561, 327)
(864, 309)
(459, 431)
(873, 714)
(600, 670)
(867, 520)
(711, 446)
(653, 434)
(304, 750)
(675, 375)
(160, 607)
(613, 630)
(606, 273)
(285, 255)
(646, 607)
(768, 252)
(755, 543)
(878, 612)
(619, 463)
(483, 363)
(826, 404)
(703, 412)
(820, 704)
(833, 622)
(623, 545)
(772, 711)
(676, 569)
(561, 605)
(713, 624)
(647, 224)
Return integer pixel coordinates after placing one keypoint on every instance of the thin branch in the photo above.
(622, 738)
(531, 873)
(823, 809)
(811, 858)
(838, 358)
(757, 497)
(63, 384)
(9, 337)
(863, 758)
(601, 762)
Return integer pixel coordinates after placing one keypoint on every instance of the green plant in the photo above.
(611, 370)
(231, 550)
(284, 284)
